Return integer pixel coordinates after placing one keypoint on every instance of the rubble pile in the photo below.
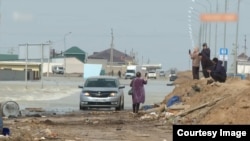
(199, 102)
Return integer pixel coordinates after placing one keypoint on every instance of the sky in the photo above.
(156, 31)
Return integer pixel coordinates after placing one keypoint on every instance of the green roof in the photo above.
(8, 57)
(74, 50)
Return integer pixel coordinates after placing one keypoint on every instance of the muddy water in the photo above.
(64, 97)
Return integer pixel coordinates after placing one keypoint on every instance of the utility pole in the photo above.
(50, 42)
(64, 55)
(225, 30)
(245, 45)
(236, 42)
(111, 52)
(216, 28)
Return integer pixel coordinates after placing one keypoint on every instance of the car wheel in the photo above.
(119, 108)
(83, 108)
(122, 106)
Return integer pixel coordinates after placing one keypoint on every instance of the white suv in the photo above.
(152, 74)
(58, 69)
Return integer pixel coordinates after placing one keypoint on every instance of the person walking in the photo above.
(195, 62)
(138, 95)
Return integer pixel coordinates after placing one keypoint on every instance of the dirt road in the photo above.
(90, 126)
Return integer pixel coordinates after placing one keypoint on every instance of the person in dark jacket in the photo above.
(206, 64)
(205, 50)
(218, 73)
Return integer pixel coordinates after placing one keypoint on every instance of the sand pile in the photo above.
(217, 103)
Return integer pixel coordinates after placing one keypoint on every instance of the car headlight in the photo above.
(86, 93)
(113, 94)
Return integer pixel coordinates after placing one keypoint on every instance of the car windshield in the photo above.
(100, 82)
(130, 71)
(172, 72)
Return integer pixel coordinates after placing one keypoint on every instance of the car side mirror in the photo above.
(121, 86)
(80, 86)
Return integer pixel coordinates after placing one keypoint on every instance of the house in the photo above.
(119, 58)
(72, 61)
(243, 64)
(116, 60)
(77, 53)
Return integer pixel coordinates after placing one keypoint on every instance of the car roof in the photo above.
(103, 76)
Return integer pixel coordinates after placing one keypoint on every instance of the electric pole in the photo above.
(111, 52)
(245, 45)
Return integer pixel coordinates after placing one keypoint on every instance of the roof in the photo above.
(19, 63)
(242, 55)
(118, 56)
(8, 57)
(104, 76)
(74, 50)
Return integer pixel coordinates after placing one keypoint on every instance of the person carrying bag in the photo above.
(138, 91)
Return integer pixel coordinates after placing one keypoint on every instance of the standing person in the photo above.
(205, 54)
(205, 60)
(218, 72)
(205, 50)
(119, 74)
(206, 64)
(195, 62)
(112, 73)
(138, 95)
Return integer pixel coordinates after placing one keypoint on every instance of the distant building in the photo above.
(76, 52)
(119, 58)
(243, 64)
(118, 62)
(8, 57)
(74, 59)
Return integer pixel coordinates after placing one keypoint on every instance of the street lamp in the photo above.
(205, 26)
(210, 11)
(201, 25)
(64, 39)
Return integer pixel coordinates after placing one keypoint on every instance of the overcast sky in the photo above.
(155, 30)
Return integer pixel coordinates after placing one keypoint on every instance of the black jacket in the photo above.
(219, 69)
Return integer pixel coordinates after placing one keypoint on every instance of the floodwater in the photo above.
(62, 94)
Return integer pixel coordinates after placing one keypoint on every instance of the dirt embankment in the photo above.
(216, 103)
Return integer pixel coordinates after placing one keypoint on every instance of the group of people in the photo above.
(210, 68)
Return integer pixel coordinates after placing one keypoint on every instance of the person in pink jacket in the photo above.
(195, 62)
(138, 95)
